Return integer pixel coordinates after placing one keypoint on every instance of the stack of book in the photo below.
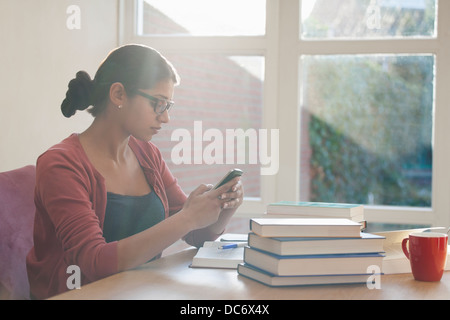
(309, 251)
(353, 212)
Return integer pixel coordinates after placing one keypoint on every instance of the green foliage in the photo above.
(370, 129)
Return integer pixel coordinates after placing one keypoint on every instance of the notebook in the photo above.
(211, 256)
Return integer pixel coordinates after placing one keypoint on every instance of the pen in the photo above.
(233, 245)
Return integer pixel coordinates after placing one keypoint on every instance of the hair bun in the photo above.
(79, 94)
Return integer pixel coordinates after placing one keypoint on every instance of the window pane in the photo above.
(325, 19)
(217, 93)
(202, 17)
(367, 129)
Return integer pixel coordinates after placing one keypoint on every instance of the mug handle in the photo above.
(405, 250)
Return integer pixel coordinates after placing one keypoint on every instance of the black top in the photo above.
(128, 215)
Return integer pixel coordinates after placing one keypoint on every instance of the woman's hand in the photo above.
(231, 200)
(205, 204)
(234, 196)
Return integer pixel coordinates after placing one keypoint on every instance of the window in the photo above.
(202, 17)
(368, 92)
(220, 49)
(363, 19)
(218, 102)
(368, 129)
(358, 90)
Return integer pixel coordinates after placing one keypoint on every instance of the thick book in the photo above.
(354, 212)
(367, 243)
(305, 227)
(301, 265)
(211, 256)
(273, 280)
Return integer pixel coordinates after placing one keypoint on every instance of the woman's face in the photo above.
(142, 121)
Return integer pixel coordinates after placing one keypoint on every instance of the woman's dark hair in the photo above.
(134, 66)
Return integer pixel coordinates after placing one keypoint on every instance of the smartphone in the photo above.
(229, 176)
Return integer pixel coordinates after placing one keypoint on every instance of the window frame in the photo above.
(282, 48)
(239, 45)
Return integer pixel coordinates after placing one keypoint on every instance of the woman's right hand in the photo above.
(203, 206)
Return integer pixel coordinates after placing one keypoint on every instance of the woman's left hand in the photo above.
(233, 198)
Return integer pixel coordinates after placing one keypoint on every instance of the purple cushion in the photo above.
(17, 212)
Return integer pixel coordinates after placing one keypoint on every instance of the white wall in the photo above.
(39, 55)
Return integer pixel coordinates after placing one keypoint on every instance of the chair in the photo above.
(17, 212)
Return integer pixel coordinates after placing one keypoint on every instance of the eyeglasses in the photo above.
(159, 105)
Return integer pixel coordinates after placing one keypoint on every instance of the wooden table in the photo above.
(171, 278)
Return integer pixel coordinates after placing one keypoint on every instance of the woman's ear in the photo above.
(117, 94)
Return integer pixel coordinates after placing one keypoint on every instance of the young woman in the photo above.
(105, 199)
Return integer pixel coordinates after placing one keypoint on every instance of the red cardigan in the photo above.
(70, 199)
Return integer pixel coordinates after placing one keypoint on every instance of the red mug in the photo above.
(427, 254)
